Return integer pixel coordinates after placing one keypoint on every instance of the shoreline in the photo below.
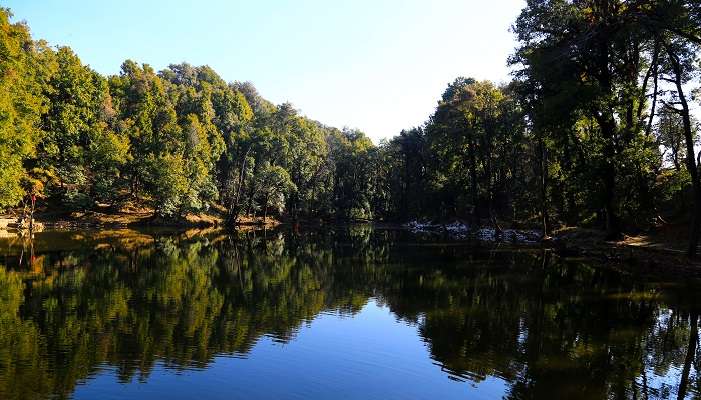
(126, 220)
(646, 256)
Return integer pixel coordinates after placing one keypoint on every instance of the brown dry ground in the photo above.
(129, 216)
(660, 251)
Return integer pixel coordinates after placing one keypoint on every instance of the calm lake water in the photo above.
(351, 314)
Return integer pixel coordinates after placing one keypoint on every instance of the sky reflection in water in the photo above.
(356, 313)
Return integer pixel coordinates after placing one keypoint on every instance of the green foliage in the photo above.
(274, 185)
(587, 100)
(468, 161)
(354, 160)
(109, 153)
(74, 97)
(76, 200)
(23, 72)
(584, 134)
(168, 183)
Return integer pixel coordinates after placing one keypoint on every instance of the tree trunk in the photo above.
(675, 161)
(543, 187)
(473, 184)
(613, 229)
(31, 216)
(655, 74)
(608, 126)
(646, 204)
(690, 157)
(265, 209)
(135, 187)
(234, 207)
(608, 129)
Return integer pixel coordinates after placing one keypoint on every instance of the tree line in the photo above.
(595, 129)
(181, 139)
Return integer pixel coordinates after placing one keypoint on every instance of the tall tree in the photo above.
(595, 47)
(675, 26)
(79, 110)
(24, 68)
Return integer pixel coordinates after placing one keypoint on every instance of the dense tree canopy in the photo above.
(596, 129)
(24, 68)
(180, 140)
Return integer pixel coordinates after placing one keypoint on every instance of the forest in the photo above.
(596, 129)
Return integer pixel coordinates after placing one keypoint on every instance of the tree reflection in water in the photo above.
(548, 327)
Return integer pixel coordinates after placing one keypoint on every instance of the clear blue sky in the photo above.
(376, 65)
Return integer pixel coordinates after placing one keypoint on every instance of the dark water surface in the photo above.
(350, 314)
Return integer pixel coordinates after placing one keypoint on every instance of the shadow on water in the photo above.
(546, 327)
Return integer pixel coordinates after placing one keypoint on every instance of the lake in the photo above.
(345, 313)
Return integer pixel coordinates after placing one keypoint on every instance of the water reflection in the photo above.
(138, 304)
